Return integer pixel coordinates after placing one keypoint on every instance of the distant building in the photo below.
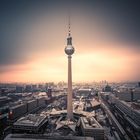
(126, 94)
(19, 89)
(85, 93)
(138, 84)
(28, 88)
(107, 88)
(49, 92)
(40, 86)
(34, 87)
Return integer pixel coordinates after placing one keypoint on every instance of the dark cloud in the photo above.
(122, 17)
(15, 17)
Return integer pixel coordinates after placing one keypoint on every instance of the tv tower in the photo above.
(69, 50)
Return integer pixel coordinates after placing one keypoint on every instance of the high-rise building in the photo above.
(28, 88)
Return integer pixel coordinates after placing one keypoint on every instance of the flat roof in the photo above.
(94, 103)
(87, 125)
(30, 120)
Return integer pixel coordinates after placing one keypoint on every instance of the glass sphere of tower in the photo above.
(69, 49)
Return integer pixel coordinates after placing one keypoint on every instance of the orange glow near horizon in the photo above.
(97, 65)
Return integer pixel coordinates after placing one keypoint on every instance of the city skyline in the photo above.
(106, 37)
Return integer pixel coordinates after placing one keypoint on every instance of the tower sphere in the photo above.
(69, 49)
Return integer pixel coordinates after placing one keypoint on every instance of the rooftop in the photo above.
(30, 120)
(90, 123)
(94, 103)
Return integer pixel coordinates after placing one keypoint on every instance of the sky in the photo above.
(106, 38)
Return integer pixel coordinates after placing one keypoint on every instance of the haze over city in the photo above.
(33, 38)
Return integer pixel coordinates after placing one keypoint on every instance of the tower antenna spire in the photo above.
(69, 39)
(69, 25)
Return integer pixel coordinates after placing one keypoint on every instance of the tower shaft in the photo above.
(69, 96)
